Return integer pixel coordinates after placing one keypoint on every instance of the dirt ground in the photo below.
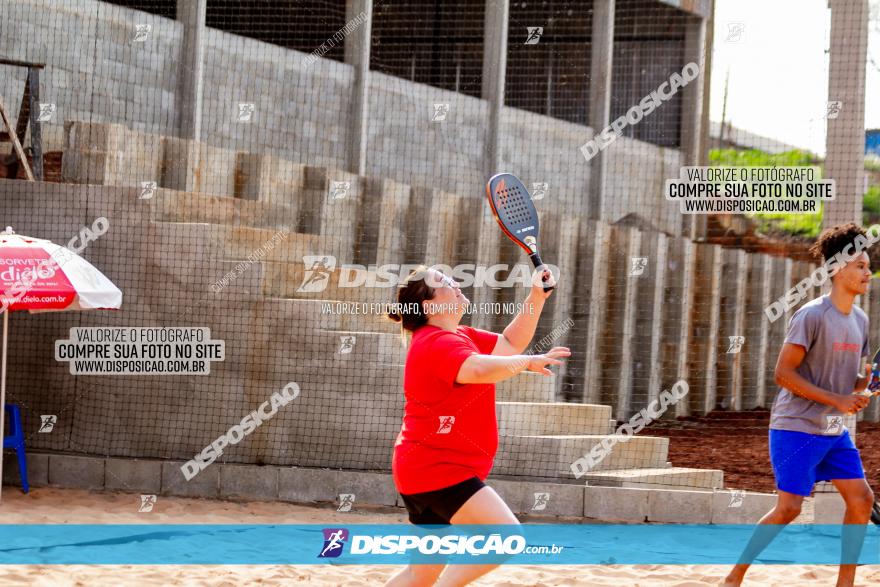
(736, 442)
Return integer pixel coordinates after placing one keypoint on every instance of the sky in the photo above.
(778, 68)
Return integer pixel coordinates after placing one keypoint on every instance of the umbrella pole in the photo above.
(3, 392)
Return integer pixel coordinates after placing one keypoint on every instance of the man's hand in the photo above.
(851, 404)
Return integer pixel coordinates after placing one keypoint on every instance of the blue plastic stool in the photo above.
(15, 441)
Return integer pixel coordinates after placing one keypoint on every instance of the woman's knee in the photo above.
(424, 574)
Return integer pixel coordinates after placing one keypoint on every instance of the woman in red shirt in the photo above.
(449, 435)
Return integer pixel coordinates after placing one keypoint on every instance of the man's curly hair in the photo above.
(834, 240)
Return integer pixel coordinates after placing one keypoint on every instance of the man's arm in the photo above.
(786, 375)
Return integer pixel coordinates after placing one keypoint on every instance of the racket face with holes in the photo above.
(514, 210)
(874, 383)
(873, 387)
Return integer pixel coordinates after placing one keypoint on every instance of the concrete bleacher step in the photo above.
(551, 456)
(534, 419)
(362, 345)
(389, 350)
(348, 322)
(267, 245)
(242, 243)
(313, 315)
(325, 280)
(527, 387)
(658, 478)
(169, 205)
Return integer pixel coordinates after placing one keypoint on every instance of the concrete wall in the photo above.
(96, 72)
(323, 487)
(633, 333)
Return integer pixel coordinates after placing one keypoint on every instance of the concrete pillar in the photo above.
(357, 54)
(593, 269)
(705, 327)
(392, 212)
(845, 136)
(324, 212)
(679, 299)
(780, 282)
(601, 53)
(825, 287)
(619, 329)
(650, 285)
(560, 248)
(707, 84)
(799, 271)
(270, 179)
(701, 220)
(192, 66)
(757, 332)
(494, 71)
(447, 213)
(434, 242)
(489, 250)
(692, 111)
(733, 307)
(381, 220)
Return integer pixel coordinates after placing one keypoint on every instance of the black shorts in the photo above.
(438, 506)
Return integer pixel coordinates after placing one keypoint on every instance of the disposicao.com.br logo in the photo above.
(428, 544)
(318, 270)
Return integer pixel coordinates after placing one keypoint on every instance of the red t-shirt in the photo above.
(449, 432)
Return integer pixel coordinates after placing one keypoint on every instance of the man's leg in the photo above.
(788, 507)
(859, 500)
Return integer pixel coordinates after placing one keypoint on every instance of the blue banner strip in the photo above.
(571, 544)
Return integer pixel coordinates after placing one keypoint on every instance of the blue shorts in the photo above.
(800, 459)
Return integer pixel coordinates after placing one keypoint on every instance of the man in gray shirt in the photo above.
(834, 343)
(821, 372)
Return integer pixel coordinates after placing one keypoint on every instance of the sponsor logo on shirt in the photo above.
(848, 347)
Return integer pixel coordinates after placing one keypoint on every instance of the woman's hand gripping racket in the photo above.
(515, 212)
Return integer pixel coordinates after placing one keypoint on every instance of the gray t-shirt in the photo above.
(835, 343)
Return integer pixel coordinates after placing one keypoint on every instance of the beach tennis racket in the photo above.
(515, 212)
(874, 383)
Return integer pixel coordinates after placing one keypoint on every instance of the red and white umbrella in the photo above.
(39, 276)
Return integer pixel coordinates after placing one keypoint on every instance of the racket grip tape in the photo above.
(537, 262)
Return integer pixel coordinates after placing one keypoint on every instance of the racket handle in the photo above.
(537, 262)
